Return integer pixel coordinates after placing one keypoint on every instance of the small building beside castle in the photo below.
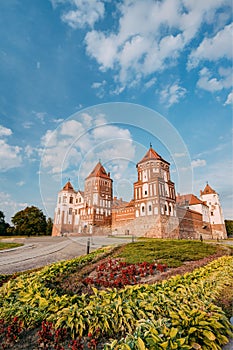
(154, 211)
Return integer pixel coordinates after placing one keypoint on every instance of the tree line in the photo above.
(27, 222)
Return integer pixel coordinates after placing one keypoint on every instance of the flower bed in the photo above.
(179, 313)
(117, 273)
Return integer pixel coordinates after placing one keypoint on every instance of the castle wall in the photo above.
(219, 231)
(154, 226)
(192, 226)
(151, 213)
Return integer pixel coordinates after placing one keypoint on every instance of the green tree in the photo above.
(31, 221)
(49, 227)
(3, 225)
(229, 227)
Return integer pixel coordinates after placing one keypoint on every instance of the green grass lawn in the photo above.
(170, 252)
(4, 245)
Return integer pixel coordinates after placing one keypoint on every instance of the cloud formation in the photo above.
(198, 163)
(212, 49)
(77, 145)
(82, 13)
(210, 83)
(10, 156)
(149, 37)
(166, 28)
(172, 94)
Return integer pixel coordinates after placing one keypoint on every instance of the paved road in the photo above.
(41, 251)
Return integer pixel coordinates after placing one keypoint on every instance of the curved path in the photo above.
(41, 251)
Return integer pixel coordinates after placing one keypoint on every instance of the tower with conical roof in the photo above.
(211, 198)
(154, 193)
(97, 199)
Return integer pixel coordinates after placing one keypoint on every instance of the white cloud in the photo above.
(9, 155)
(27, 125)
(57, 120)
(40, 115)
(31, 153)
(77, 145)
(5, 131)
(20, 183)
(149, 36)
(198, 163)
(212, 49)
(166, 28)
(72, 128)
(172, 94)
(180, 155)
(212, 84)
(229, 99)
(150, 83)
(102, 48)
(100, 88)
(83, 13)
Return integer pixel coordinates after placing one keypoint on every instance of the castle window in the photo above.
(71, 200)
(64, 199)
(212, 213)
(145, 193)
(58, 211)
(143, 209)
(150, 208)
(70, 211)
(59, 200)
(76, 212)
(165, 207)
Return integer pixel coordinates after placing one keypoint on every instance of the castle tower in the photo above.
(211, 198)
(64, 214)
(97, 199)
(154, 192)
(154, 197)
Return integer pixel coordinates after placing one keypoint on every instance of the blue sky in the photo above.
(87, 80)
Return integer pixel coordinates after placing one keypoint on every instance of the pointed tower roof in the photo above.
(99, 171)
(68, 187)
(151, 155)
(207, 190)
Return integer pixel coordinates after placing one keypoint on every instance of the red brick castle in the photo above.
(154, 211)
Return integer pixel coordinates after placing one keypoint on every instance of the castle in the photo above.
(154, 211)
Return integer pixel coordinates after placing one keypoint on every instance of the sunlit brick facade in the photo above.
(154, 211)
